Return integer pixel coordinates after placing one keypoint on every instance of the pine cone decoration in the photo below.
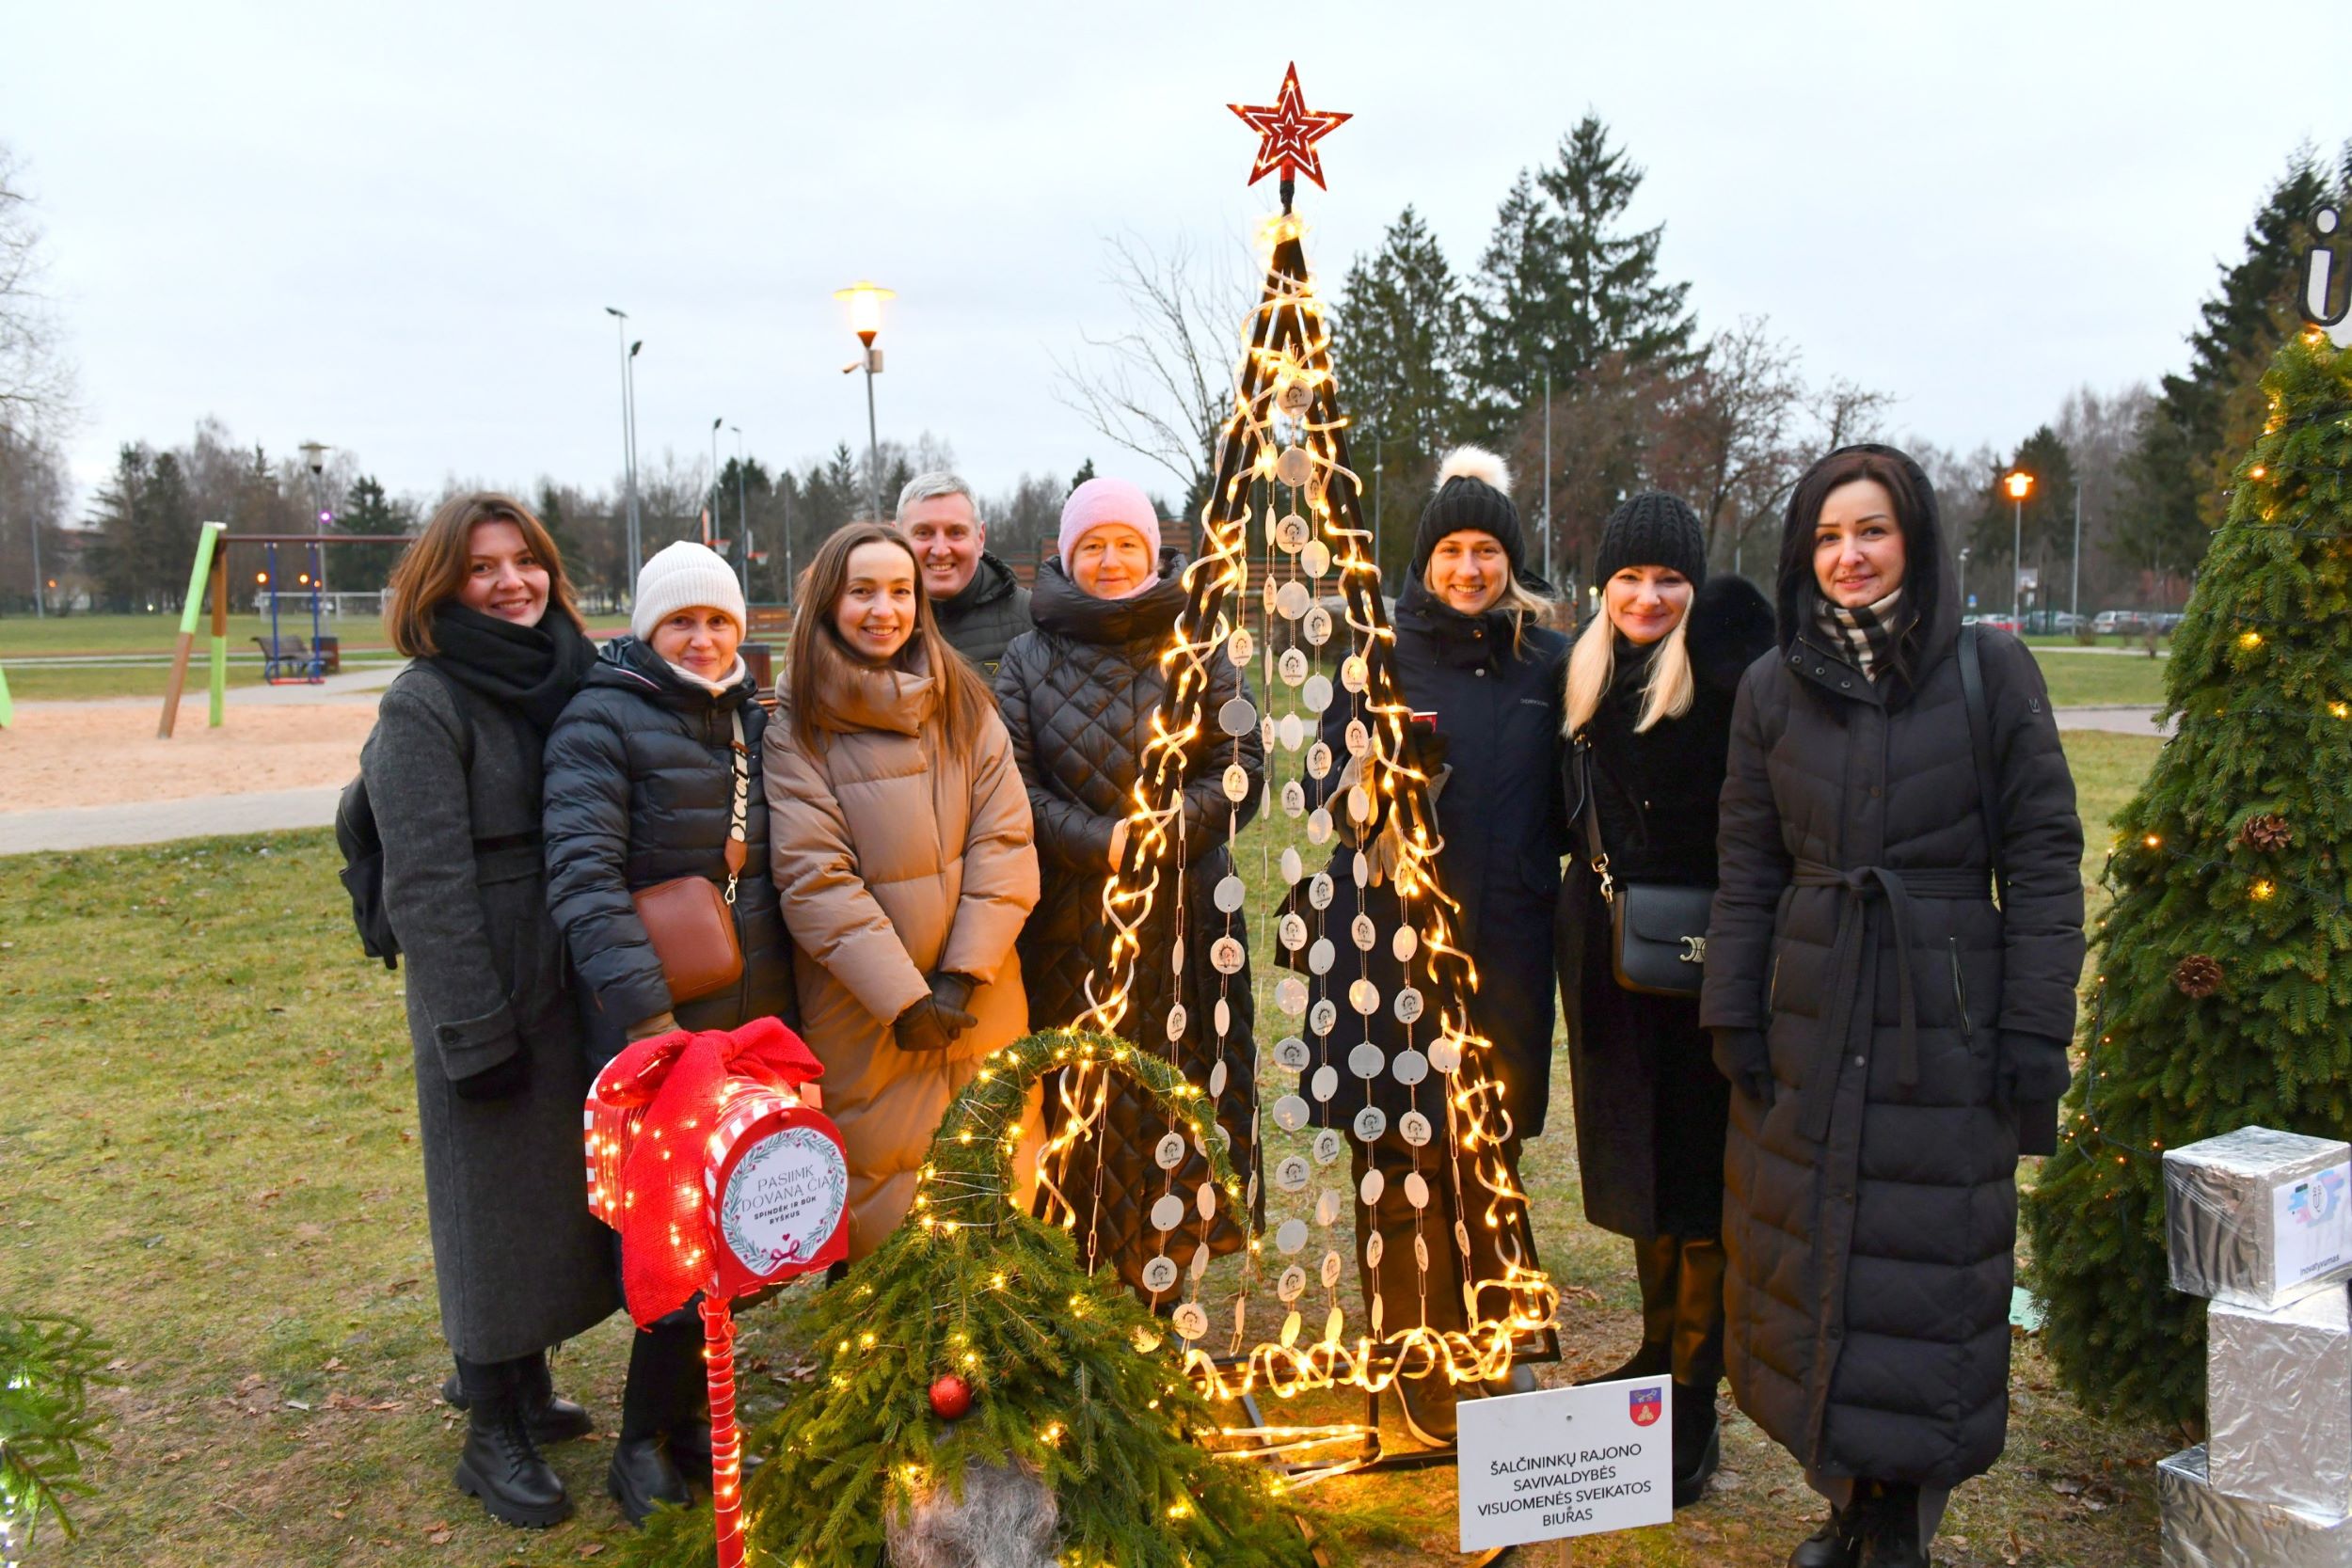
(2266, 833)
(2197, 975)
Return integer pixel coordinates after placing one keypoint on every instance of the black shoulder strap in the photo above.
(1980, 743)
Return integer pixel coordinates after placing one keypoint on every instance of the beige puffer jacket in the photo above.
(895, 858)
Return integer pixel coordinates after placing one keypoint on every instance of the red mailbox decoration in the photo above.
(721, 1182)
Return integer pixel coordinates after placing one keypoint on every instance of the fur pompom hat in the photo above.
(1474, 493)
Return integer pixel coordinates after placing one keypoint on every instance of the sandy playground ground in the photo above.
(105, 754)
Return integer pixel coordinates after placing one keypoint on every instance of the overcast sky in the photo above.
(395, 228)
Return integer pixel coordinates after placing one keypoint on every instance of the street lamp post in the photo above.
(628, 435)
(314, 453)
(866, 301)
(2019, 485)
(1963, 578)
(2075, 589)
(711, 530)
(743, 513)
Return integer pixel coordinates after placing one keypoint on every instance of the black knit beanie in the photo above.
(1473, 492)
(1652, 528)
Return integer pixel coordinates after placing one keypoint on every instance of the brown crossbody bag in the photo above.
(690, 921)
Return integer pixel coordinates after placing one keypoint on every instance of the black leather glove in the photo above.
(1423, 749)
(932, 1024)
(1742, 1056)
(502, 1081)
(953, 992)
(2030, 1074)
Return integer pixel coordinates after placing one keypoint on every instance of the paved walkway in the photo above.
(155, 822)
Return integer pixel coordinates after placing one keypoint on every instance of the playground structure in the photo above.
(285, 661)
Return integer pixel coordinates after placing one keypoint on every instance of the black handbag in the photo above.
(1656, 930)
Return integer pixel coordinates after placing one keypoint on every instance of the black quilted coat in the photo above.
(1651, 1110)
(1078, 693)
(1870, 1205)
(639, 790)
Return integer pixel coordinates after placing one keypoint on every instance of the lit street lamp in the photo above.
(2019, 485)
(866, 301)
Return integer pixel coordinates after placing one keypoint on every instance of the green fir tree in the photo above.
(2223, 997)
(1070, 1377)
(47, 1367)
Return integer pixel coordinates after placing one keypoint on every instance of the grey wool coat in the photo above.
(1870, 1202)
(519, 1262)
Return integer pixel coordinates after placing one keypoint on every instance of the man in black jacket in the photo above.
(979, 604)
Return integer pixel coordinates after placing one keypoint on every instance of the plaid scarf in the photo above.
(1866, 636)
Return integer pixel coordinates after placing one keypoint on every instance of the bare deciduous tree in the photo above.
(1162, 388)
(35, 379)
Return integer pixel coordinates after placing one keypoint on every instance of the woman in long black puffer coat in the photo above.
(642, 773)
(1079, 694)
(1467, 651)
(1649, 694)
(1894, 1037)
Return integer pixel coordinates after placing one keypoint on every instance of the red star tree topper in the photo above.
(1290, 130)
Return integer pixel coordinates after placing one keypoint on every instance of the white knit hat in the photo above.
(680, 577)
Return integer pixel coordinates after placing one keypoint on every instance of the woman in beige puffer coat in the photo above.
(900, 845)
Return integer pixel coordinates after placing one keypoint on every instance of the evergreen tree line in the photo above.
(1571, 294)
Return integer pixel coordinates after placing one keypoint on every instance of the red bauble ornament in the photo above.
(951, 1398)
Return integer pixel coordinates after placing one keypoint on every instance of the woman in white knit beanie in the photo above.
(653, 773)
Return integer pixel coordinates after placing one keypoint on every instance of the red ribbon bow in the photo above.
(683, 1081)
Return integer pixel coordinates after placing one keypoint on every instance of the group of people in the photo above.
(1814, 1156)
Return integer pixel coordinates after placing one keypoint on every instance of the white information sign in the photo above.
(1565, 1461)
(2313, 1220)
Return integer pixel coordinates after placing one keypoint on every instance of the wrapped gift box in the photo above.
(2279, 1402)
(2206, 1528)
(2259, 1218)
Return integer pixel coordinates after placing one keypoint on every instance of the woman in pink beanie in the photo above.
(1080, 693)
(1110, 539)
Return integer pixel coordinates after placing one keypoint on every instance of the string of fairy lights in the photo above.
(1285, 431)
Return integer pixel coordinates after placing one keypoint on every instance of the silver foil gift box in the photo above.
(2279, 1402)
(2206, 1528)
(2259, 1218)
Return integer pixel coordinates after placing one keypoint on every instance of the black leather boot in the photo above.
(1698, 1441)
(1893, 1539)
(500, 1463)
(1839, 1543)
(642, 1475)
(553, 1418)
(1655, 1266)
(1427, 1405)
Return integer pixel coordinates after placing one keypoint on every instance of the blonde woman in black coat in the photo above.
(1894, 1037)
(1648, 715)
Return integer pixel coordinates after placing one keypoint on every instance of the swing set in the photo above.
(286, 660)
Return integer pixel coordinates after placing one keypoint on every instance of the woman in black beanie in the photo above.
(1648, 715)
(1470, 654)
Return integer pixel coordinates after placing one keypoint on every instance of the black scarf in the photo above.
(533, 670)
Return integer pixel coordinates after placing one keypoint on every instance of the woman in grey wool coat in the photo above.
(479, 603)
(1893, 1037)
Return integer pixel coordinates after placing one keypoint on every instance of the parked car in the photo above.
(2119, 622)
(1999, 623)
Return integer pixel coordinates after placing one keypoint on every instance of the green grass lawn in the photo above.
(2082, 679)
(207, 1149)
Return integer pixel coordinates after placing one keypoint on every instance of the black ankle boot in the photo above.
(1892, 1539)
(1427, 1405)
(1839, 1543)
(1698, 1441)
(642, 1477)
(500, 1463)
